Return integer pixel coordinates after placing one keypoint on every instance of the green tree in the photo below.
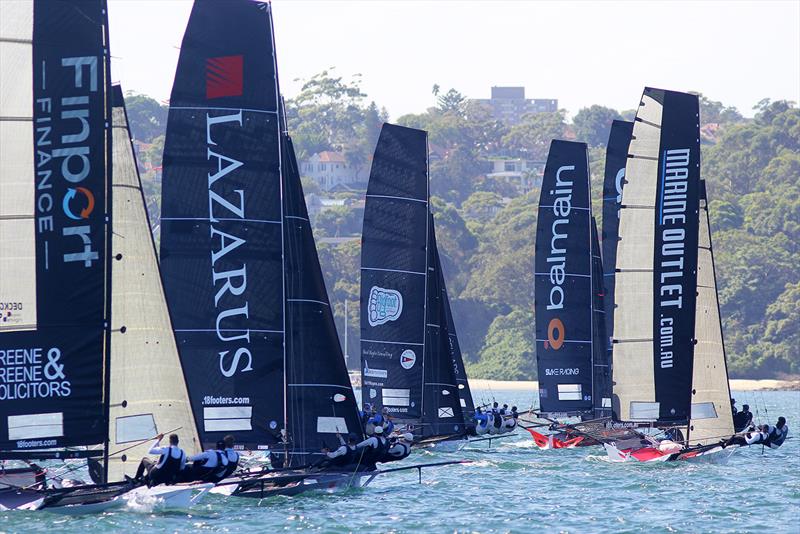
(593, 124)
(147, 118)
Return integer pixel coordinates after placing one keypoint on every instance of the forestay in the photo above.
(656, 271)
(712, 418)
(222, 223)
(147, 389)
(563, 283)
(55, 209)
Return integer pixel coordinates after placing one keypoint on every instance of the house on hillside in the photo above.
(508, 104)
(524, 174)
(331, 171)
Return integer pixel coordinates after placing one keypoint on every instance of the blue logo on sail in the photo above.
(384, 305)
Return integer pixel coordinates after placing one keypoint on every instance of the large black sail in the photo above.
(616, 158)
(442, 413)
(55, 212)
(394, 265)
(656, 273)
(320, 399)
(464, 393)
(563, 282)
(222, 226)
(602, 356)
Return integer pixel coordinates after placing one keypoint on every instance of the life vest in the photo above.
(232, 464)
(170, 470)
(349, 457)
(777, 436)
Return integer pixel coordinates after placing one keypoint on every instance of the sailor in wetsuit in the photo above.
(742, 419)
(209, 466)
(777, 434)
(170, 464)
(231, 455)
(399, 449)
(373, 447)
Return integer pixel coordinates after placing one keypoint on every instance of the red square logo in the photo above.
(224, 76)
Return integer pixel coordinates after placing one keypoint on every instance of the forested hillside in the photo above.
(486, 226)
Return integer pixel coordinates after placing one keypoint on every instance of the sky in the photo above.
(580, 52)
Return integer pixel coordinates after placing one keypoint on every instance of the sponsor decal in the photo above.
(373, 393)
(561, 371)
(407, 359)
(224, 76)
(8, 313)
(555, 334)
(672, 223)
(32, 373)
(444, 413)
(384, 305)
(562, 207)
(71, 194)
(374, 373)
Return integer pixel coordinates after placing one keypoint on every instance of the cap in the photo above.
(408, 436)
(379, 430)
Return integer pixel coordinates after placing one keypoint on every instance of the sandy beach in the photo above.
(736, 385)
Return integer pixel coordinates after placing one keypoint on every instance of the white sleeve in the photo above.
(338, 452)
(183, 459)
(369, 442)
(202, 456)
(155, 449)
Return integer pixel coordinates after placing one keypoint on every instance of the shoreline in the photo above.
(737, 384)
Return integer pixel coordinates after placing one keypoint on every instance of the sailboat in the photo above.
(573, 365)
(669, 363)
(251, 315)
(86, 304)
(407, 364)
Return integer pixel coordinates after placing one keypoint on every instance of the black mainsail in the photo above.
(250, 310)
(601, 361)
(564, 284)
(55, 227)
(656, 262)
(614, 180)
(406, 362)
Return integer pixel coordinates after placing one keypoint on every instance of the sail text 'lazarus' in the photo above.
(672, 220)
(233, 281)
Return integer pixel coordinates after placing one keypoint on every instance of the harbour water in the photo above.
(511, 488)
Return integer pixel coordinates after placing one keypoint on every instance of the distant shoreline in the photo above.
(737, 384)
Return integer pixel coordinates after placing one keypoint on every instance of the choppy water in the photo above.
(514, 488)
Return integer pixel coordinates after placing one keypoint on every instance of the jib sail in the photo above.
(602, 357)
(55, 211)
(442, 414)
(464, 393)
(613, 183)
(563, 283)
(222, 237)
(148, 392)
(320, 399)
(712, 418)
(656, 272)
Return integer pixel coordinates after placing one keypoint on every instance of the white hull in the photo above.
(176, 497)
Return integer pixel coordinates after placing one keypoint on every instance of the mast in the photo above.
(563, 283)
(656, 272)
(602, 365)
(55, 216)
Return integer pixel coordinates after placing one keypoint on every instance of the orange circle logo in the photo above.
(555, 333)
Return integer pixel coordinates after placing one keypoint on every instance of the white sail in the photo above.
(711, 419)
(147, 388)
(17, 180)
(634, 388)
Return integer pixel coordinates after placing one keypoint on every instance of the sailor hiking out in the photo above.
(168, 468)
(208, 466)
(231, 455)
(373, 447)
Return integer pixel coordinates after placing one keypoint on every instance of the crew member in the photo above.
(209, 466)
(374, 447)
(742, 419)
(170, 464)
(777, 434)
(399, 449)
(231, 455)
(734, 410)
(388, 425)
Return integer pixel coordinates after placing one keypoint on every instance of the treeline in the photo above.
(486, 226)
